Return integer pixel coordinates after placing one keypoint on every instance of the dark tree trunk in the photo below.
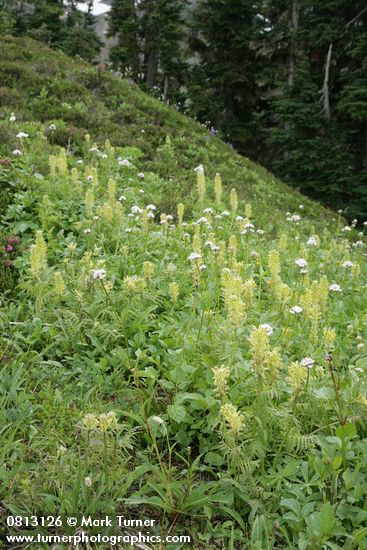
(325, 92)
(152, 68)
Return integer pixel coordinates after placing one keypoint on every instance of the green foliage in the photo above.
(56, 22)
(321, 152)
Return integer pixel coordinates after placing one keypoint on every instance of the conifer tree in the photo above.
(150, 38)
(124, 27)
(44, 20)
(223, 84)
(162, 36)
(80, 37)
(317, 121)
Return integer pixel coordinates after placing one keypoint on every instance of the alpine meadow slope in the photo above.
(182, 335)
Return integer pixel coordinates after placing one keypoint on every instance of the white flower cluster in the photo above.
(98, 274)
(248, 228)
(301, 262)
(312, 241)
(268, 328)
(307, 362)
(335, 288)
(213, 247)
(124, 162)
(194, 256)
(293, 217)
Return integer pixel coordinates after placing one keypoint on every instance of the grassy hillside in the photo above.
(47, 87)
(176, 345)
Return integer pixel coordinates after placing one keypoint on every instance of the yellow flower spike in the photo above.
(323, 293)
(145, 221)
(234, 420)
(174, 292)
(79, 296)
(87, 139)
(108, 421)
(62, 163)
(232, 245)
(221, 258)
(134, 283)
(59, 285)
(273, 364)
(89, 202)
(356, 269)
(248, 210)
(218, 188)
(232, 290)
(118, 212)
(260, 347)
(266, 362)
(90, 422)
(94, 174)
(235, 310)
(74, 175)
(148, 269)
(106, 212)
(164, 223)
(221, 376)
(274, 262)
(304, 252)
(297, 375)
(306, 281)
(38, 255)
(201, 183)
(233, 200)
(196, 241)
(171, 268)
(248, 292)
(109, 149)
(329, 338)
(111, 191)
(52, 164)
(180, 212)
(283, 243)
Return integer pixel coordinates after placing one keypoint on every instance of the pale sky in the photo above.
(98, 7)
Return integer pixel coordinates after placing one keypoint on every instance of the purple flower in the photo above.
(13, 240)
